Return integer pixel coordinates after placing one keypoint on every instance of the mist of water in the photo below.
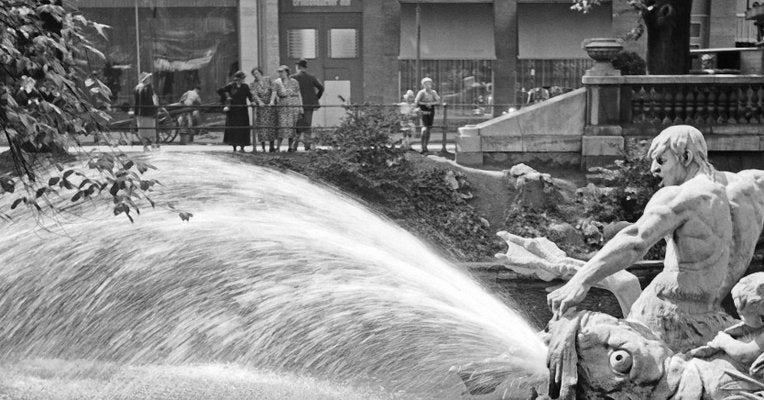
(272, 272)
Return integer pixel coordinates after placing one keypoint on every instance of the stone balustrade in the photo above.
(729, 109)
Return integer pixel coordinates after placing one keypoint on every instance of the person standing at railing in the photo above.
(427, 99)
(286, 95)
(146, 111)
(310, 90)
(235, 94)
(265, 115)
(189, 119)
(409, 113)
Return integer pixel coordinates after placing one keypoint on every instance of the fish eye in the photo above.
(620, 361)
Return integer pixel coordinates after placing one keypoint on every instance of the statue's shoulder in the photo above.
(689, 194)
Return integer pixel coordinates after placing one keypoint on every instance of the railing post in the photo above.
(443, 150)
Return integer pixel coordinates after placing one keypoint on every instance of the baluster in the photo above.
(690, 106)
(732, 101)
(655, 112)
(646, 104)
(711, 106)
(750, 93)
(758, 93)
(678, 106)
(721, 106)
(635, 107)
(700, 108)
(753, 99)
(668, 106)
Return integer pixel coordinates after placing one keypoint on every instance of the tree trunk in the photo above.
(668, 36)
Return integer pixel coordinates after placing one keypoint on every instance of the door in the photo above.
(331, 43)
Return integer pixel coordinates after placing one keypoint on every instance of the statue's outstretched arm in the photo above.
(540, 257)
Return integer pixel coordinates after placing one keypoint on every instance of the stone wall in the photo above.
(546, 131)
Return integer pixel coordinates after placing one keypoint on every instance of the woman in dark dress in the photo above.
(235, 95)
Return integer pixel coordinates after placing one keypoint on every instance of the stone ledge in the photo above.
(602, 146)
(469, 159)
(671, 79)
(531, 143)
(734, 143)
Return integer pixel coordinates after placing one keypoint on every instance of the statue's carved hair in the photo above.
(749, 291)
(680, 139)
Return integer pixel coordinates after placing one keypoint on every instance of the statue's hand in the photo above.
(566, 297)
(538, 257)
(722, 341)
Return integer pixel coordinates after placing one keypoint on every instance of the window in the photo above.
(695, 29)
(301, 43)
(343, 43)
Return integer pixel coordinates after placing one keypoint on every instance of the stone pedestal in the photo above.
(469, 150)
(602, 141)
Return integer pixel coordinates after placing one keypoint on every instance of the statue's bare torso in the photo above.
(711, 225)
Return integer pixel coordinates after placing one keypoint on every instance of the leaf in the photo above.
(114, 189)
(185, 216)
(76, 196)
(129, 164)
(68, 173)
(17, 202)
(7, 184)
(40, 192)
(53, 181)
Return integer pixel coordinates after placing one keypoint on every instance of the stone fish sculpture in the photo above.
(596, 356)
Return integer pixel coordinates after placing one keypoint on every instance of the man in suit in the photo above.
(311, 90)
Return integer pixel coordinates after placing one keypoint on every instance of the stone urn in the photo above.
(602, 51)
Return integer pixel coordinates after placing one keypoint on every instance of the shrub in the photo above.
(630, 185)
(630, 63)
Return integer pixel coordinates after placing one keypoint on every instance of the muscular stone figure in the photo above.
(711, 221)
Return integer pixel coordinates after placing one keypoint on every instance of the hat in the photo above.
(144, 77)
(282, 68)
(303, 63)
(427, 79)
(239, 75)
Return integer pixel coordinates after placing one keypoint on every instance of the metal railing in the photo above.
(176, 120)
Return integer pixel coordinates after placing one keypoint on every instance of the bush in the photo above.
(630, 63)
(629, 186)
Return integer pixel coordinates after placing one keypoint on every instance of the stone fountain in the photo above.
(676, 341)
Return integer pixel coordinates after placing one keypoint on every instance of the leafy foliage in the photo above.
(642, 6)
(630, 185)
(49, 96)
(629, 63)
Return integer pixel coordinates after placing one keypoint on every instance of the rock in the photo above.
(566, 233)
(451, 180)
(535, 190)
(592, 231)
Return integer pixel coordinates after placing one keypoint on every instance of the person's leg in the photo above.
(289, 144)
(307, 131)
(425, 138)
(271, 147)
(262, 145)
(278, 145)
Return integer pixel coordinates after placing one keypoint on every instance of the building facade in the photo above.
(478, 52)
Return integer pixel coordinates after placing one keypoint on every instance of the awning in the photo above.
(448, 32)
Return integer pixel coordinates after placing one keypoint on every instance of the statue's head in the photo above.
(678, 151)
(748, 295)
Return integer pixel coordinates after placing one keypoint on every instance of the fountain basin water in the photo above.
(272, 273)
